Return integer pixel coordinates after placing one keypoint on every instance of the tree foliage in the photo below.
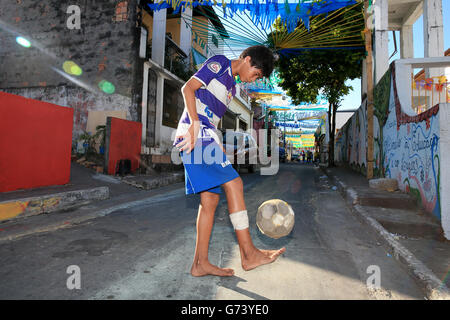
(313, 72)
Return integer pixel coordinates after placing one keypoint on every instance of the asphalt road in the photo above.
(144, 250)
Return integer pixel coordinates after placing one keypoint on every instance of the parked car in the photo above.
(242, 148)
(295, 157)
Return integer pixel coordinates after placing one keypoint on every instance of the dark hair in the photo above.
(261, 58)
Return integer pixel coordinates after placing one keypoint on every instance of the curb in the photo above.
(26, 207)
(15, 232)
(155, 182)
(427, 280)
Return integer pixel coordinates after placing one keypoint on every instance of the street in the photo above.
(145, 250)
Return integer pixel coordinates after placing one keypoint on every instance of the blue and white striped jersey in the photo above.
(212, 99)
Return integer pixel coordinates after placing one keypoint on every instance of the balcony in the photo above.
(419, 95)
(176, 61)
(429, 92)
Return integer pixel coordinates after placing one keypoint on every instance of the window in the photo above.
(242, 125)
(229, 121)
(247, 142)
(171, 108)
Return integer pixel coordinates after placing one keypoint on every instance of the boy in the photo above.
(206, 97)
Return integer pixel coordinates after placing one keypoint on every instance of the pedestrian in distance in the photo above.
(206, 97)
(316, 158)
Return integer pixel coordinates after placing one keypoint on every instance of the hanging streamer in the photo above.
(264, 13)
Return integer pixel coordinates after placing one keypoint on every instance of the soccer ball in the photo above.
(275, 218)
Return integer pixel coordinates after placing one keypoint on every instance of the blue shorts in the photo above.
(206, 168)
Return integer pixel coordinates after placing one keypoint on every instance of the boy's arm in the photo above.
(191, 135)
(188, 91)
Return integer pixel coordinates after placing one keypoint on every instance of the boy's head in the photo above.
(259, 62)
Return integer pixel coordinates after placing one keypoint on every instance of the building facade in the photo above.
(111, 58)
(80, 54)
(410, 119)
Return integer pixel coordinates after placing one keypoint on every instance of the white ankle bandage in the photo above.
(239, 220)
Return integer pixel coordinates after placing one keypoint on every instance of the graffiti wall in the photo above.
(351, 141)
(406, 147)
(411, 151)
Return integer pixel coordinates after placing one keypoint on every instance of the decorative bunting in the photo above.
(264, 13)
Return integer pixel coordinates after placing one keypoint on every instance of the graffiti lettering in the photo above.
(410, 165)
(421, 144)
(392, 145)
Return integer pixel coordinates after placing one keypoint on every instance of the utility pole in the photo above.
(369, 68)
(266, 127)
(284, 137)
(266, 118)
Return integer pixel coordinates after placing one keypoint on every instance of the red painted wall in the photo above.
(35, 143)
(124, 143)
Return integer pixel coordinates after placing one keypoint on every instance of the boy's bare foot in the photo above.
(260, 257)
(205, 268)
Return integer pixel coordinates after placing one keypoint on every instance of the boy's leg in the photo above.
(205, 221)
(251, 257)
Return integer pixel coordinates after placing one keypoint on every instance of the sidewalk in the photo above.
(414, 237)
(24, 212)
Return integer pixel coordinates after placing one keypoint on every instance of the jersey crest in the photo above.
(214, 66)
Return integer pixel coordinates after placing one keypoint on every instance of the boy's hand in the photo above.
(190, 138)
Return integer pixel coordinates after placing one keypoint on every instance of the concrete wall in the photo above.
(444, 148)
(237, 106)
(35, 143)
(105, 48)
(123, 141)
(151, 109)
(342, 118)
(351, 141)
(81, 100)
(98, 118)
(173, 27)
(414, 149)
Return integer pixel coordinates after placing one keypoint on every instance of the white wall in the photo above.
(444, 140)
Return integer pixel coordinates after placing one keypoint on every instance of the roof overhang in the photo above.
(403, 12)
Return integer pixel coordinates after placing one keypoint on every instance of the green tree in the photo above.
(308, 73)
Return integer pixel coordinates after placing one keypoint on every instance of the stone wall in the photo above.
(105, 48)
(81, 100)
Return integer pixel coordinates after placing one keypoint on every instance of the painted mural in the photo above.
(411, 151)
(381, 99)
(406, 148)
(351, 141)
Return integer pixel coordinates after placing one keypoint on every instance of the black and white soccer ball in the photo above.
(275, 218)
